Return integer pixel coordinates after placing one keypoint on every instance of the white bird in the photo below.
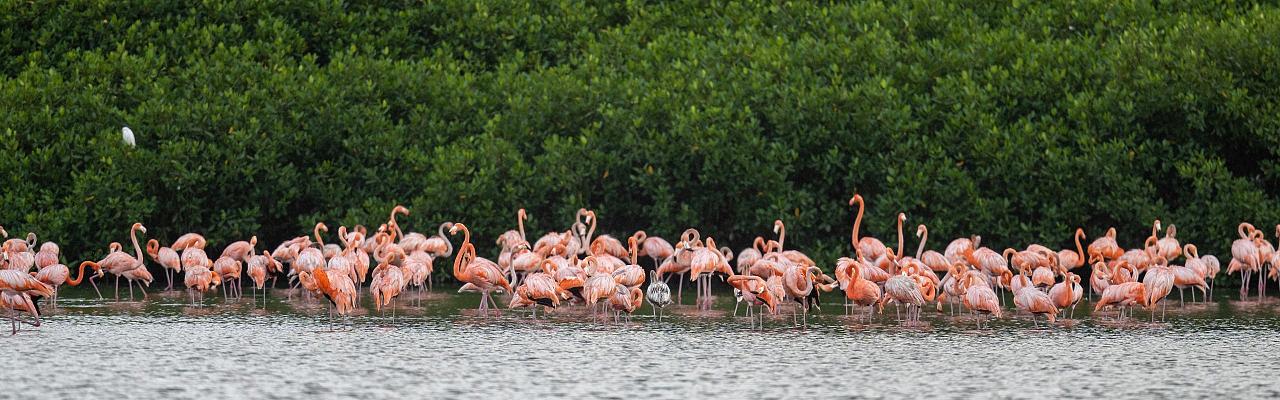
(128, 137)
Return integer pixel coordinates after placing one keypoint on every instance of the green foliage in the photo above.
(1018, 121)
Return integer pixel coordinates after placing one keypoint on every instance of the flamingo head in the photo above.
(856, 199)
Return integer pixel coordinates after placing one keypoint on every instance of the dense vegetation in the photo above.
(1017, 120)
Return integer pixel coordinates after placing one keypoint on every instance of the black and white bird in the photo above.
(658, 295)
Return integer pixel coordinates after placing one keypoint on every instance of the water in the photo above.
(163, 348)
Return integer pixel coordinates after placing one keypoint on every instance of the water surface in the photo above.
(165, 348)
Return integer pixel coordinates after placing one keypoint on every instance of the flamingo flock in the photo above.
(605, 278)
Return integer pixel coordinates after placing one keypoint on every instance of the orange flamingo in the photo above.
(477, 271)
(195, 240)
(1073, 259)
(18, 289)
(656, 248)
(1105, 247)
(54, 276)
(867, 247)
(167, 258)
(860, 291)
(1122, 295)
(978, 296)
(1067, 293)
(1035, 302)
(1245, 257)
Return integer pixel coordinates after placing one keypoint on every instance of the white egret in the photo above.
(128, 137)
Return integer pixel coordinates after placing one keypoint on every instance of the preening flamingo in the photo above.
(22, 292)
(167, 258)
(1121, 296)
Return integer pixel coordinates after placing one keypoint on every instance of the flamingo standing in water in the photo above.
(860, 291)
(539, 289)
(978, 296)
(1035, 302)
(119, 262)
(658, 294)
(867, 247)
(258, 267)
(54, 276)
(1122, 295)
(755, 292)
(1067, 293)
(167, 258)
(1245, 257)
(18, 289)
(656, 248)
(338, 289)
(484, 274)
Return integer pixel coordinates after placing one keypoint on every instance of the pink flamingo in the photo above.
(1073, 259)
(482, 273)
(167, 258)
(654, 247)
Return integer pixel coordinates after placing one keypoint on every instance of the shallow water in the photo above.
(164, 348)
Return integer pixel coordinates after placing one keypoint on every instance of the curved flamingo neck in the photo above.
(153, 248)
(901, 218)
(520, 216)
(133, 236)
(76, 281)
(591, 231)
(857, 223)
(1079, 248)
(319, 240)
(924, 236)
(448, 243)
(782, 235)
(634, 248)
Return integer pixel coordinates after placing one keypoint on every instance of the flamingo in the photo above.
(658, 294)
(1245, 254)
(1073, 259)
(867, 247)
(597, 290)
(1167, 246)
(656, 248)
(909, 288)
(860, 291)
(754, 291)
(188, 240)
(1157, 282)
(937, 262)
(54, 276)
(1186, 276)
(1122, 295)
(539, 288)
(707, 260)
(48, 255)
(978, 296)
(1033, 301)
(438, 245)
(18, 289)
(80, 277)
(748, 256)
(118, 263)
(959, 249)
(338, 289)
(630, 275)
(199, 279)
(166, 257)
(257, 268)
(626, 300)
(477, 271)
(228, 268)
(1067, 293)
(1105, 247)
